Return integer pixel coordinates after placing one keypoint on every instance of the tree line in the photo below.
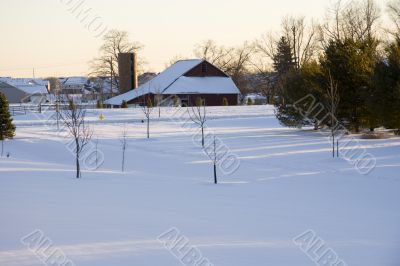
(350, 48)
(353, 54)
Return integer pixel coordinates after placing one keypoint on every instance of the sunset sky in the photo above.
(48, 35)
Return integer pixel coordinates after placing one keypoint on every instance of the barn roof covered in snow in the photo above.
(29, 86)
(172, 81)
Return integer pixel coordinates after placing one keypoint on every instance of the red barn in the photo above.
(185, 81)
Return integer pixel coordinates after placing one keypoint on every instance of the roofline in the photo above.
(201, 61)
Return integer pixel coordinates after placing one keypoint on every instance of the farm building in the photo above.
(185, 82)
(23, 90)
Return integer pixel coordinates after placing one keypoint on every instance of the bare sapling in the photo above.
(199, 116)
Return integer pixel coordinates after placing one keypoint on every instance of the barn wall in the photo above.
(142, 99)
(211, 99)
(191, 99)
(211, 71)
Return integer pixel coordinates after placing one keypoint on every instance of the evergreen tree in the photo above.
(294, 103)
(283, 59)
(393, 97)
(386, 100)
(352, 65)
(7, 129)
(288, 86)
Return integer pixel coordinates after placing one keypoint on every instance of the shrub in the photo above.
(124, 104)
(225, 101)
(99, 104)
(177, 101)
(149, 103)
(373, 135)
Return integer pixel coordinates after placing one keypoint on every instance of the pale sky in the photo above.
(48, 36)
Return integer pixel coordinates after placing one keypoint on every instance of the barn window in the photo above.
(204, 68)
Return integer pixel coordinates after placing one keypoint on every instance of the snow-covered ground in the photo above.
(287, 183)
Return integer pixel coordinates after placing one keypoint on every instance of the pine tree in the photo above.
(386, 100)
(7, 129)
(294, 104)
(293, 86)
(352, 64)
(393, 99)
(283, 59)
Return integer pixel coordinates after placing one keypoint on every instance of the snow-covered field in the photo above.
(287, 183)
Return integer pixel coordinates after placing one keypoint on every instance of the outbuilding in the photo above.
(184, 82)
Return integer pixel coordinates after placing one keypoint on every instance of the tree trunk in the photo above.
(78, 167)
(333, 145)
(215, 174)
(337, 148)
(202, 136)
(123, 160)
(78, 170)
(2, 147)
(148, 127)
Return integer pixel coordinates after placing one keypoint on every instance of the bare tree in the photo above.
(214, 155)
(240, 63)
(199, 116)
(124, 145)
(266, 47)
(234, 61)
(115, 42)
(74, 120)
(56, 90)
(158, 98)
(147, 108)
(57, 96)
(356, 20)
(360, 20)
(97, 152)
(393, 8)
(333, 104)
(174, 59)
(220, 56)
(302, 37)
(333, 27)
